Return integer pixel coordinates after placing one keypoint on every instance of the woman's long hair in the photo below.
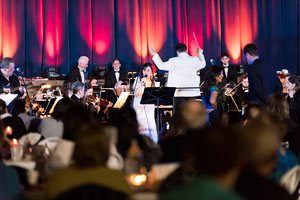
(153, 69)
(210, 79)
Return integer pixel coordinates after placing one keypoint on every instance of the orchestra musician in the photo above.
(9, 82)
(113, 78)
(78, 92)
(212, 94)
(79, 72)
(263, 81)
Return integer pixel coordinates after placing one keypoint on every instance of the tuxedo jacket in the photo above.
(75, 99)
(232, 75)
(110, 81)
(263, 82)
(110, 78)
(75, 75)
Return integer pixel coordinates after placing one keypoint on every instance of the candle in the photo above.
(8, 130)
(14, 143)
(16, 150)
(137, 179)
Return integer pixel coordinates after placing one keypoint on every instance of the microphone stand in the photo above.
(26, 90)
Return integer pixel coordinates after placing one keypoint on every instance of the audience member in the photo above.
(88, 177)
(10, 187)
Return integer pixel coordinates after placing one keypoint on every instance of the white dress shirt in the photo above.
(226, 71)
(117, 74)
(82, 75)
(182, 72)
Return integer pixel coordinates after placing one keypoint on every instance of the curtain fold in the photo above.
(53, 33)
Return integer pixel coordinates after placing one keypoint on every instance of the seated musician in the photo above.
(98, 106)
(9, 82)
(78, 91)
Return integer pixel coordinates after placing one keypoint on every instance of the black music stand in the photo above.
(158, 96)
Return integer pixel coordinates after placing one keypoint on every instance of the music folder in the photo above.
(158, 95)
(121, 100)
(8, 98)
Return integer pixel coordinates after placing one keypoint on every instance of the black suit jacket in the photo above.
(233, 72)
(75, 99)
(13, 83)
(263, 82)
(75, 75)
(110, 78)
(110, 81)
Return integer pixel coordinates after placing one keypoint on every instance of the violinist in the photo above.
(78, 92)
(212, 94)
(98, 106)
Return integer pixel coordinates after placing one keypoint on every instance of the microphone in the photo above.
(212, 61)
(19, 69)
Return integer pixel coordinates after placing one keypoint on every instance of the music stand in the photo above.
(158, 96)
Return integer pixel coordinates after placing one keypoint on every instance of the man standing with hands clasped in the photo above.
(182, 73)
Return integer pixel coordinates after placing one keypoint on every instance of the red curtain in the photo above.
(53, 33)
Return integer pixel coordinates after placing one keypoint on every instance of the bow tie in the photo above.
(117, 71)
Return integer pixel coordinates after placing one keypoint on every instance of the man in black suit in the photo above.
(113, 76)
(79, 72)
(263, 80)
(78, 91)
(230, 72)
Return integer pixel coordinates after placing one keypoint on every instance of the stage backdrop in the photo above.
(53, 33)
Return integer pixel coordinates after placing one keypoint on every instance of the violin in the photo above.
(98, 103)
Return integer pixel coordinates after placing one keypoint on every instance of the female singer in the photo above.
(212, 94)
(145, 112)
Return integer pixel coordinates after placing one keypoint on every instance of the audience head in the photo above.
(192, 114)
(180, 47)
(75, 118)
(83, 62)
(278, 107)
(78, 88)
(61, 107)
(128, 128)
(251, 53)
(216, 152)
(7, 66)
(251, 112)
(91, 147)
(116, 64)
(259, 144)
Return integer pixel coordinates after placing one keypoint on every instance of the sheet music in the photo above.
(8, 98)
(121, 100)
